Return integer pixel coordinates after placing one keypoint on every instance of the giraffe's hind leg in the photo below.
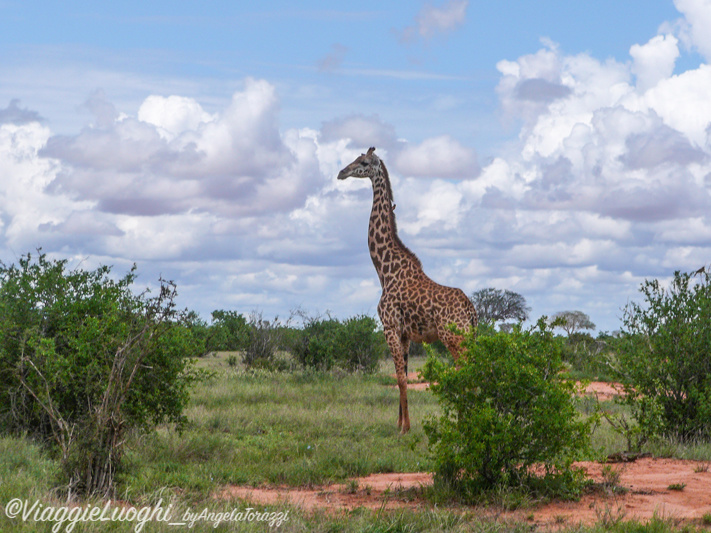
(463, 315)
(453, 342)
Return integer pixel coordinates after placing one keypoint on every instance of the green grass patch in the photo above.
(27, 473)
(255, 428)
(25, 469)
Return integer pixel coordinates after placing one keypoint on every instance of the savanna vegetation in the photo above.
(106, 390)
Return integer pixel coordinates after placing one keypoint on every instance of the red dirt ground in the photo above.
(604, 391)
(645, 482)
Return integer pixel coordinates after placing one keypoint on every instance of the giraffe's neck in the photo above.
(386, 250)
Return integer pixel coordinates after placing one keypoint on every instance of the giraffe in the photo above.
(412, 307)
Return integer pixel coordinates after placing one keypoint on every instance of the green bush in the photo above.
(663, 357)
(83, 361)
(316, 346)
(509, 416)
(355, 344)
(229, 331)
(362, 343)
(198, 330)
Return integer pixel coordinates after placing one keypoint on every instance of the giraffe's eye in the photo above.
(363, 164)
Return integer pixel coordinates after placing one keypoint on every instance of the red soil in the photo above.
(645, 492)
(604, 391)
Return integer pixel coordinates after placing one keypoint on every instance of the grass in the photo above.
(26, 472)
(692, 450)
(255, 428)
(297, 429)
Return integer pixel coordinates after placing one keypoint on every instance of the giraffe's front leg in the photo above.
(405, 352)
(396, 346)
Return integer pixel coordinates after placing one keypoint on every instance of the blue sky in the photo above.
(558, 149)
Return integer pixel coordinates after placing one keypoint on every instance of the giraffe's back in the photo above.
(424, 309)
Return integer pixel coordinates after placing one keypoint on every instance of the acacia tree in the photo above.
(572, 321)
(493, 305)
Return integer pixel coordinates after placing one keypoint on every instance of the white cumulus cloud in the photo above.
(437, 157)
(173, 115)
(173, 157)
(654, 61)
(696, 24)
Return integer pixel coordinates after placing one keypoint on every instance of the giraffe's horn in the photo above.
(371, 150)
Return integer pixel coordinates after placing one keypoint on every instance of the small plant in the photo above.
(351, 486)
(608, 516)
(633, 433)
(610, 477)
(232, 360)
(706, 519)
(700, 469)
(610, 482)
(560, 519)
(677, 486)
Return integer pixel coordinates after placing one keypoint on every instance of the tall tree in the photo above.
(572, 321)
(494, 305)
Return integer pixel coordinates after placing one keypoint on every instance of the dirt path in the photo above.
(644, 491)
(602, 390)
(372, 492)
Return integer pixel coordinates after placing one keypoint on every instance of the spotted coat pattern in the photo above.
(412, 307)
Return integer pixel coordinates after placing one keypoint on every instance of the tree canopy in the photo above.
(572, 321)
(494, 305)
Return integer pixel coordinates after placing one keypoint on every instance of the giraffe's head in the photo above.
(365, 166)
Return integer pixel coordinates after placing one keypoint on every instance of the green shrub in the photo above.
(316, 347)
(83, 361)
(507, 408)
(355, 344)
(663, 357)
(362, 344)
(198, 330)
(229, 331)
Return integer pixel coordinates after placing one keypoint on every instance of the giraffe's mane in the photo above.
(393, 223)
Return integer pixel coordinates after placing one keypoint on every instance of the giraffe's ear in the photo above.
(371, 150)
